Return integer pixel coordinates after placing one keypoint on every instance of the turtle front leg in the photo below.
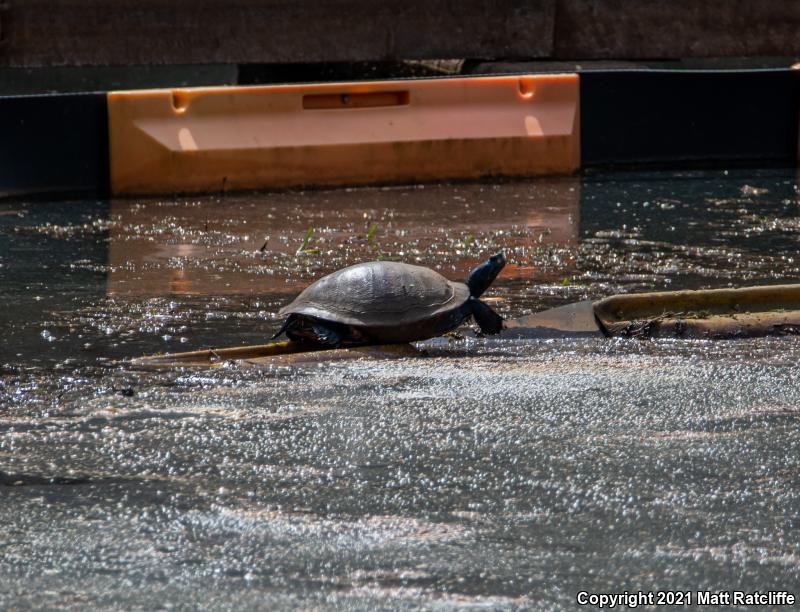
(487, 319)
(327, 335)
(306, 329)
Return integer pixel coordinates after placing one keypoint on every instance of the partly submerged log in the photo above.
(746, 312)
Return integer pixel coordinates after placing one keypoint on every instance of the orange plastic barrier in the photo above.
(219, 138)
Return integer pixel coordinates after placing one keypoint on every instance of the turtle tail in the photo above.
(289, 322)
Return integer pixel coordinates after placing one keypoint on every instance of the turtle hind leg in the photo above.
(487, 319)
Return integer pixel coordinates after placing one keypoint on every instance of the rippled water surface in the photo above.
(498, 474)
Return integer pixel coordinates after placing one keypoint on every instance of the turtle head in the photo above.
(482, 276)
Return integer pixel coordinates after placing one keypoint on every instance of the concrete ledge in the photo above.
(644, 29)
(157, 32)
(129, 32)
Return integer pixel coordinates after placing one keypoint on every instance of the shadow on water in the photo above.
(493, 473)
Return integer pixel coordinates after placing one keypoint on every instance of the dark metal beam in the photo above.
(54, 143)
(677, 117)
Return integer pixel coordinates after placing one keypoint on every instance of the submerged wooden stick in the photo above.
(208, 357)
(278, 353)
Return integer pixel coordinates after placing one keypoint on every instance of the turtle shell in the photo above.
(379, 294)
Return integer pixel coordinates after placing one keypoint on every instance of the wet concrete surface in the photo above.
(492, 474)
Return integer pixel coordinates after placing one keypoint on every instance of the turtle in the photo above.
(383, 302)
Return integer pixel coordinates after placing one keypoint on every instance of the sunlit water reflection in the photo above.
(488, 473)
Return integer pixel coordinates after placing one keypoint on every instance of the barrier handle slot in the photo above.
(355, 100)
